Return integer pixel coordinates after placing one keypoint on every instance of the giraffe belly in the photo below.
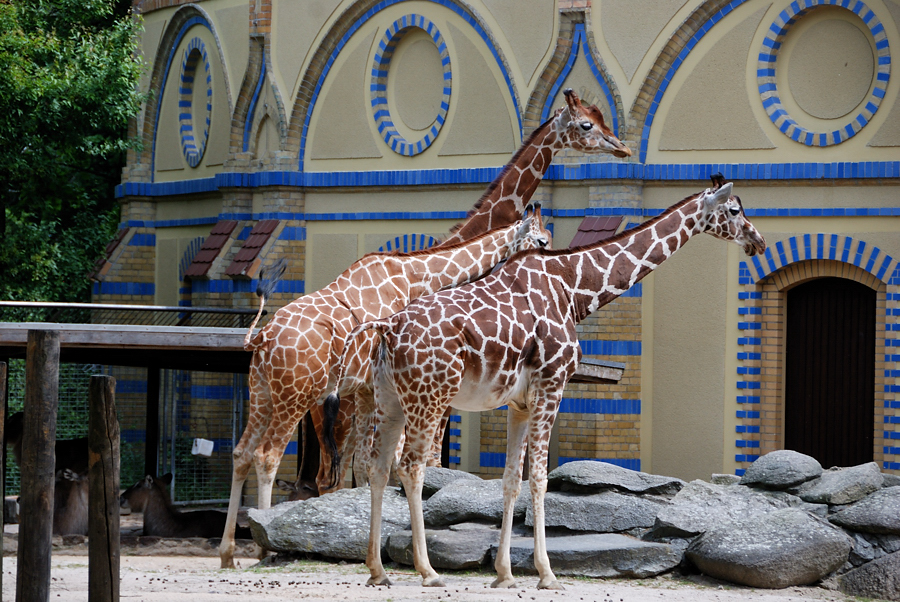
(481, 395)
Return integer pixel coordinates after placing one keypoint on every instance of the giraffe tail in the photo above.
(332, 405)
(264, 290)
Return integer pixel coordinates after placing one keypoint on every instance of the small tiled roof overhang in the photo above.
(594, 229)
(111, 246)
(258, 237)
(211, 248)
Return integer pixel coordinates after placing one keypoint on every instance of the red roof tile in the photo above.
(251, 247)
(211, 248)
(593, 229)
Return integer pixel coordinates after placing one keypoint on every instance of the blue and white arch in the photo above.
(380, 70)
(194, 121)
(768, 62)
(408, 243)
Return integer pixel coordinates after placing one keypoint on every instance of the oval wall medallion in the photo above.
(851, 79)
(195, 101)
(411, 84)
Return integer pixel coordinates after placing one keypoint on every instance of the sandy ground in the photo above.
(179, 578)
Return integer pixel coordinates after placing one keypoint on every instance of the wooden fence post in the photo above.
(103, 468)
(2, 458)
(38, 466)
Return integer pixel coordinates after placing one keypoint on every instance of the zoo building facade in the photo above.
(320, 131)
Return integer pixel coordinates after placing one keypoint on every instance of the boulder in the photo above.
(701, 506)
(891, 480)
(725, 479)
(598, 555)
(334, 525)
(843, 485)
(463, 546)
(604, 512)
(781, 469)
(876, 513)
(436, 478)
(877, 579)
(774, 550)
(471, 500)
(590, 475)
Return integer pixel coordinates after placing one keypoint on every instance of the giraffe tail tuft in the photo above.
(264, 290)
(330, 409)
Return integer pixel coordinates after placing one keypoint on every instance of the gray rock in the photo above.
(471, 500)
(876, 513)
(877, 579)
(725, 479)
(781, 469)
(891, 480)
(779, 549)
(701, 506)
(596, 476)
(604, 512)
(843, 485)
(600, 555)
(436, 478)
(463, 546)
(863, 551)
(334, 525)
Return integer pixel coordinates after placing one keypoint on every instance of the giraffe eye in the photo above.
(735, 211)
(586, 125)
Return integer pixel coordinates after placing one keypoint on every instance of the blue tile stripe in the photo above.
(597, 347)
(142, 240)
(251, 111)
(294, 287)
(571, 405)
(580, 44)
(498, 460)
(146, 289)
(768, 68)
(590, 171)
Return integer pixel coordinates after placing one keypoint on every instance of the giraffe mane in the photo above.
(613, 239)
(506, 168)
(433, 249)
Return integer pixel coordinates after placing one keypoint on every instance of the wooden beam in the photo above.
(38, 466)
(103, 471)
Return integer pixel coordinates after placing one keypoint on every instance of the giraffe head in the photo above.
(726, 219)
(532, 234)
(585, 130)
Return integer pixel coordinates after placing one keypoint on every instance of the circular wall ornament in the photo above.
(194, 101)
(381, 71)
(768, 65)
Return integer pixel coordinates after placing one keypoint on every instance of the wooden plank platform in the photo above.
(186, 348)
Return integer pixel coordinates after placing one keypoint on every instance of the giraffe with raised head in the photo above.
(510, 339)
(295, 353)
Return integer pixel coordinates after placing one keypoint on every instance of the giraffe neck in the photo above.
(600, 273)
(505, 199)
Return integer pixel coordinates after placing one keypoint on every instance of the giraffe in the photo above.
(574, 126)
(294, 354)
(510, 338)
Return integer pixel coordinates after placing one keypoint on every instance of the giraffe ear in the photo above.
(722, 194)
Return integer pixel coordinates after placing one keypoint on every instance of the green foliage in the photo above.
(68, 87)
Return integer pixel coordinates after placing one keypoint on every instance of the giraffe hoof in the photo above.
(503, 583)
(551, 585)
(373, 581)
(433, 582)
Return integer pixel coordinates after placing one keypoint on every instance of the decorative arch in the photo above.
(335, 40)
(832, 247)
(408, 243)
(761, 371)
(670, 58)
(182, 21)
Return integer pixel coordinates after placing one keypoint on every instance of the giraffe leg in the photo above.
(390, 424)
(437, 445)
(257, 422)
(538, 442)
(412, 474)
(517, 423)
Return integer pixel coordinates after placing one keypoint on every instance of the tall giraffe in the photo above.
(573, 126)
(510, 339)
(294, 354)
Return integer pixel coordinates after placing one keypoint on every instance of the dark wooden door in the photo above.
(830, 371)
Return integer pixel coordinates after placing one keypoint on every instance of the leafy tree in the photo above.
(69, 75)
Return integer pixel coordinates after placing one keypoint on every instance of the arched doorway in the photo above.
(829, 371)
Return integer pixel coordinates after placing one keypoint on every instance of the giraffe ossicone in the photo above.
(510, 339)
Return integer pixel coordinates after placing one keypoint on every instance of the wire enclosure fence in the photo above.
(138, 315)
